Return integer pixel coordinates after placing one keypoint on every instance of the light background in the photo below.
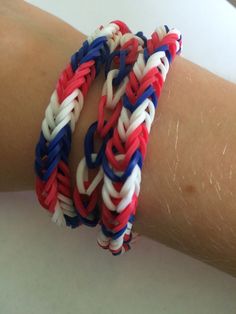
(46, 269)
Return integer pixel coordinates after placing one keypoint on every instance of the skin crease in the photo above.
(188, 190)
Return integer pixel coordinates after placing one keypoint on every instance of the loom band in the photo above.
(95, 49)
(117, 146)
(46, 173)
(68, 71)
(131, 46)
(151, 76)
(87, 82)
(131, 104)
(51, 197)
(121, 165)
(86, 208)
(76, 82)
(147, 53)
(105, 235)
(128, 197)
(43, 173)
(78, 78)
(117, 202)
(103, 246)
(142, 134)
(63, 168)
(52, 155)
(126, 60)
(94, 55)
(116, 253)
(63, 187)
(170, 40)
(46, 192)
(65, 76)
(88, 211)
(110, 217)
(153, 43)
(126, 247)
(83, 70)
(116, 222)
(101, 105)
(117, 247)
(122, 65)
(143, 115)
(66, 144)
(68, 75)
(111, 197)
(180, 44)
(103, 240)
(136, 159)
(169, 52)
(142, 36)
(39, 155)
(39, 188)
(127, 238)
(149, 49)
(54, 148)
(64, 180)
(89, 146)
(82, 178)
(98, 43)
(122, 242)
(148, 93)
(88, 222)
(78, 55)
(178, 52)
(121, 75)
(151, 85)
(110, 60)
(122, 26)
(85, 87)
(167, 28)
(72, 222)
(102, 127)
(108, 233)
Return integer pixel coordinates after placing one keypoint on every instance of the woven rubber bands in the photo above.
(135, 69)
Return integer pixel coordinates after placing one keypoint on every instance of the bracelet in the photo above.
(51, 154)
(86, 192)
(135, 70)
(125, 151)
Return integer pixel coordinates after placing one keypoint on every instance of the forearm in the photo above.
(188, 191)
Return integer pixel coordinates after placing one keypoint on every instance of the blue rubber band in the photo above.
(89, 147)
(136, 159)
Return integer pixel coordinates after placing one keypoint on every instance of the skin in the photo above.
(188, 190)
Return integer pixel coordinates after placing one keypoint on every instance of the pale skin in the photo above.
(188, 191)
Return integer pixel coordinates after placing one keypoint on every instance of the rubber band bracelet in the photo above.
(87, 191)
(51, 161)
(126, 149)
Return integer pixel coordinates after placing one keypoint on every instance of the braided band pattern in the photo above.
(126, 150)
(86, 193)
(51, 162)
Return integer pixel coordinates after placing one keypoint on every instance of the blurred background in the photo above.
(46, 269)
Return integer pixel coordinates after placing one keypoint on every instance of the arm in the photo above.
(188, 191)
